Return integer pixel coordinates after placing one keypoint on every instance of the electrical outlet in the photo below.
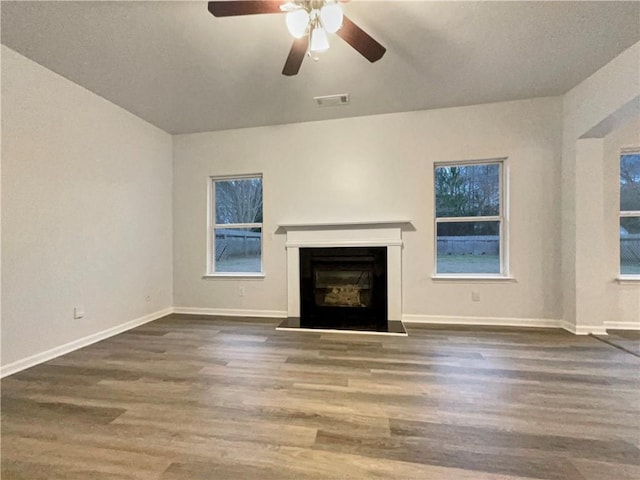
(78, 312)
(147, 298)
(241, 291)
(475, 296)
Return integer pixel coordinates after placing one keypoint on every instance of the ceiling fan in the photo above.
(308, 21)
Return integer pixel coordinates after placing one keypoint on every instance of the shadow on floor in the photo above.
(626, 340)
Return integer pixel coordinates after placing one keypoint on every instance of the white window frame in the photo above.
(212, 226)
(502, 218)
(625, 214)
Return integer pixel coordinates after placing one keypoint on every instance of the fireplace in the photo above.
(344, 276)
(343, 288)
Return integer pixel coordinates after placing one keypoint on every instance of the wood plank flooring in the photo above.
(625, 340)
(189, 397)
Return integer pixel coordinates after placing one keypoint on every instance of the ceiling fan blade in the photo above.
(361, 41)
(231, 8)
(296, 55)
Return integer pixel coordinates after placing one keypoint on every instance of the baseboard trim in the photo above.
(231, 312)
(583, 329)
(622, 325)
(47, 355)
(517, 322)
(483, 321)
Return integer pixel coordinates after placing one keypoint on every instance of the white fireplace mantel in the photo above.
(346, 234)
(343, 224)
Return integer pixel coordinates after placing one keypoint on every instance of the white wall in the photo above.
(597, 97)
(87, 205)
(606, 102)
(86, 212)
(381, 167)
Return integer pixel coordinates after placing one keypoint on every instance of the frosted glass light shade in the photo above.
(297, 22)
(331, 17)
(319, 40)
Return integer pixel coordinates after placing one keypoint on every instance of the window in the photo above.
(470, 220)
(235, 226)
(630, 213)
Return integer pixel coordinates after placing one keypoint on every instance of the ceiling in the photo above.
(176, 66)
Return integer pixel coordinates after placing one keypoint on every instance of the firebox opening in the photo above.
(344, 288)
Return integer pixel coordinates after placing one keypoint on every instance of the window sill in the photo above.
(234, 275)
(628, 279)
(473, 278)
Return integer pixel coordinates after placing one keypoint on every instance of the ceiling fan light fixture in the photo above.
(297, 21)
(310, 22)
(331, 17)
(319, 41)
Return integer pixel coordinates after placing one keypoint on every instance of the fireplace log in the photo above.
(346, 295)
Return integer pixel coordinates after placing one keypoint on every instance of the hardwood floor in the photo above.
(188, 397)
(625, 340)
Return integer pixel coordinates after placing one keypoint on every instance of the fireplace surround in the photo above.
(345, 294)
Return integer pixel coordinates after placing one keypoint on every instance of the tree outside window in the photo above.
(236, 230)
(469, 218)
